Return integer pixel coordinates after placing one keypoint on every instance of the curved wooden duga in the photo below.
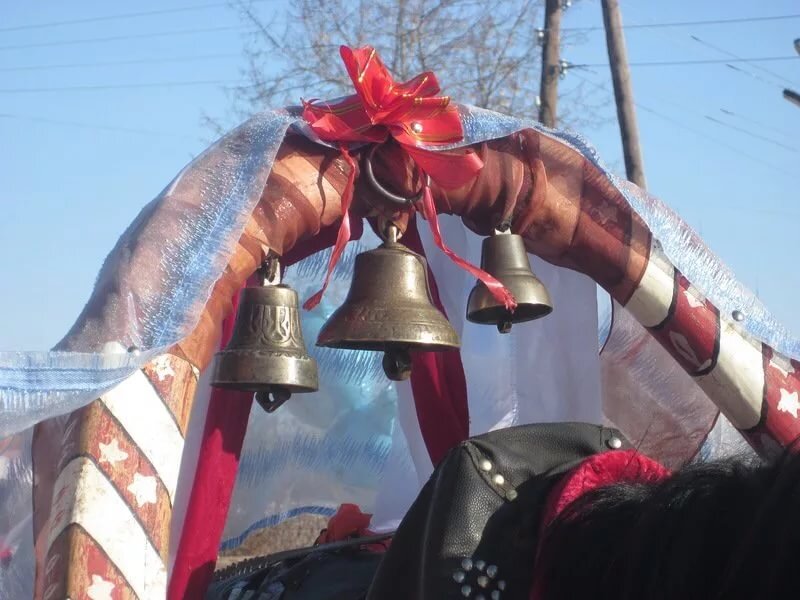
(106, 475)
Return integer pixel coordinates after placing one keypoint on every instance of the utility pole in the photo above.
(791, 95)
(623, 93)
(551, 64)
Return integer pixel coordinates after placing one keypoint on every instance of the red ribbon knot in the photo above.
(414, 116)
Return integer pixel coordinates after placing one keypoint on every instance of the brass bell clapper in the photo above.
(389, 309)
(266, 353)
(503, 255)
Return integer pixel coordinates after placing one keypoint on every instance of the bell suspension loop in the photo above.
(266, 354)
(270, 271)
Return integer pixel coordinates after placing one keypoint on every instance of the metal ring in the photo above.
(504, 226)
(388, 230)
(394, 198)
(270, 270)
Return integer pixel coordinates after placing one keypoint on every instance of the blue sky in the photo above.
(77, 166)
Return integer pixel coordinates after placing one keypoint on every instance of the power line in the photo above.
(199, 7)
(697, 132)
(713, 139)
(752, 134)
(736, 56)
(147, 132)
(753, 76)
(674, 39)
(692, 111)
(115, 38)
(120, 86)
(755, 122)
(142, 61)
(165, 11)
(691, 23)
(712, 61)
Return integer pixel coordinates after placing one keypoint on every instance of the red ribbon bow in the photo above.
(413, 115)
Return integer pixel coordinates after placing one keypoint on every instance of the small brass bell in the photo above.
(266, 353)
(503, 255)
(389, 309)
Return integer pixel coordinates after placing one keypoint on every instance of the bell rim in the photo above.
(384, 346)
(492, 315)
(304, 369)
(256, 350)
(373, 335)
(254, 388)
(380, 318)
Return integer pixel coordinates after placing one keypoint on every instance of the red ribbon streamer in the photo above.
(412, 114)
(438, 383)
(212, 488)
(497, 289)
(344, 230)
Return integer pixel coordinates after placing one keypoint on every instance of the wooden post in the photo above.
(623, 92)
(792, 96)
(551, 69)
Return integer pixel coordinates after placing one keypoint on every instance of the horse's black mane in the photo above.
(718, 530)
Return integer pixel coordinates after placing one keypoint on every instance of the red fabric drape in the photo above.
(221, 445)
(438, 382)
(218, 461)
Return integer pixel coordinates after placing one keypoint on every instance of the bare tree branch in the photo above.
(484, 53)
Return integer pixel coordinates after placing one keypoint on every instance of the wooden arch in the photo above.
(106, 475)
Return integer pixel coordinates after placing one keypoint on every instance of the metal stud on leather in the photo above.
(483, 503)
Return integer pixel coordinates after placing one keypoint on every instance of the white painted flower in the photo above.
(705, 365)
(684, 348)
(100, 589)
(782, 365)
(607, 213)
(50, 591)
(144, 488)
(51, 563)
(112, 453)
(789, 402)
(692, 299)
(73, 422)
(163, 367)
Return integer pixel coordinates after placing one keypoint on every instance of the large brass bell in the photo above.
(503, 255)
(266, 353)
(389, 309)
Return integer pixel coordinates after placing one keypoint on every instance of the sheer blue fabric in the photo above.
(193, 226)
(344, 444)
